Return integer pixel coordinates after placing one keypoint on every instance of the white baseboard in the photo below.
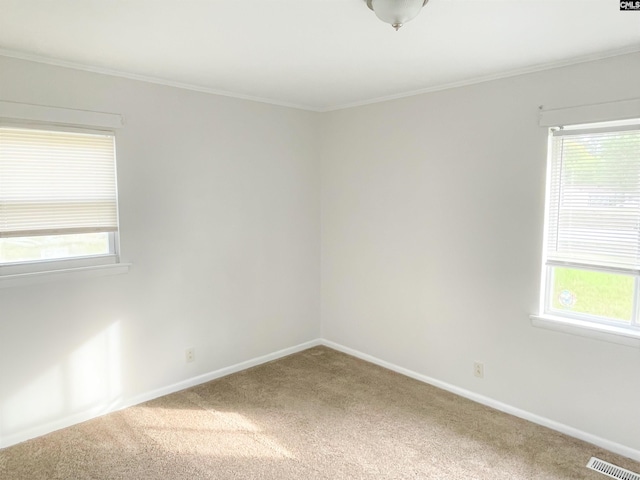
(223, 372)
(120, 404)
(490, 402)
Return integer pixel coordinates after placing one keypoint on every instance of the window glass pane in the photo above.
(48, 247)
(600, 294)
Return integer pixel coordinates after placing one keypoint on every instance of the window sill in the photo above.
(606, 333)
(46, 276)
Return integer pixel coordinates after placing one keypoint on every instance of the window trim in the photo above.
(588, 114)
(57, 274)
(15, 111)
(580, 319)
(607, 333)
(65, 263)
(20, 115)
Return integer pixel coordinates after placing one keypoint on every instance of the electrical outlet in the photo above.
(478, 369)
(190, 355)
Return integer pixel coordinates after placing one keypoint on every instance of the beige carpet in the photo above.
(318, 414)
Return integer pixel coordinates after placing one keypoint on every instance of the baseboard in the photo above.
(120, 404)
(490, 402)
(223, 372)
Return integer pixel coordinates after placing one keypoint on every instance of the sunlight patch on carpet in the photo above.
(208, 432)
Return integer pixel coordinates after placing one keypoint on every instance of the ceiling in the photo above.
(314, 54)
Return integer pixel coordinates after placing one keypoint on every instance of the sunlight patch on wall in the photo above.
(42, 399)
(94, 370)
(87, 381)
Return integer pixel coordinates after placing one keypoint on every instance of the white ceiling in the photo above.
(314, 54)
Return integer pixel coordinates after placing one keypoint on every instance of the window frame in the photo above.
(47, 264)
(584, 324)
(26, 116)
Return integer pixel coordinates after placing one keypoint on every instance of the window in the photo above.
(592, 235)
(58, 198)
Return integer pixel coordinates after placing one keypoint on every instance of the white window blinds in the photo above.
(56, 182)
(594, 198)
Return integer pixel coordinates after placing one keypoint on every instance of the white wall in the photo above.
(432, 211)
(220, 214)
(432, 217)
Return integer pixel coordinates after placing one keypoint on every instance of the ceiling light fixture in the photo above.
(396, 12)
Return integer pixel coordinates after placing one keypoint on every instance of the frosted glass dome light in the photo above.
(396, 12)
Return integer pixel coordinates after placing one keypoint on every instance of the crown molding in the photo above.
(148, 79)
(436, 88)
(488, 78)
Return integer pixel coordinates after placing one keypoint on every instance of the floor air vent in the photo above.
(611, 470)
